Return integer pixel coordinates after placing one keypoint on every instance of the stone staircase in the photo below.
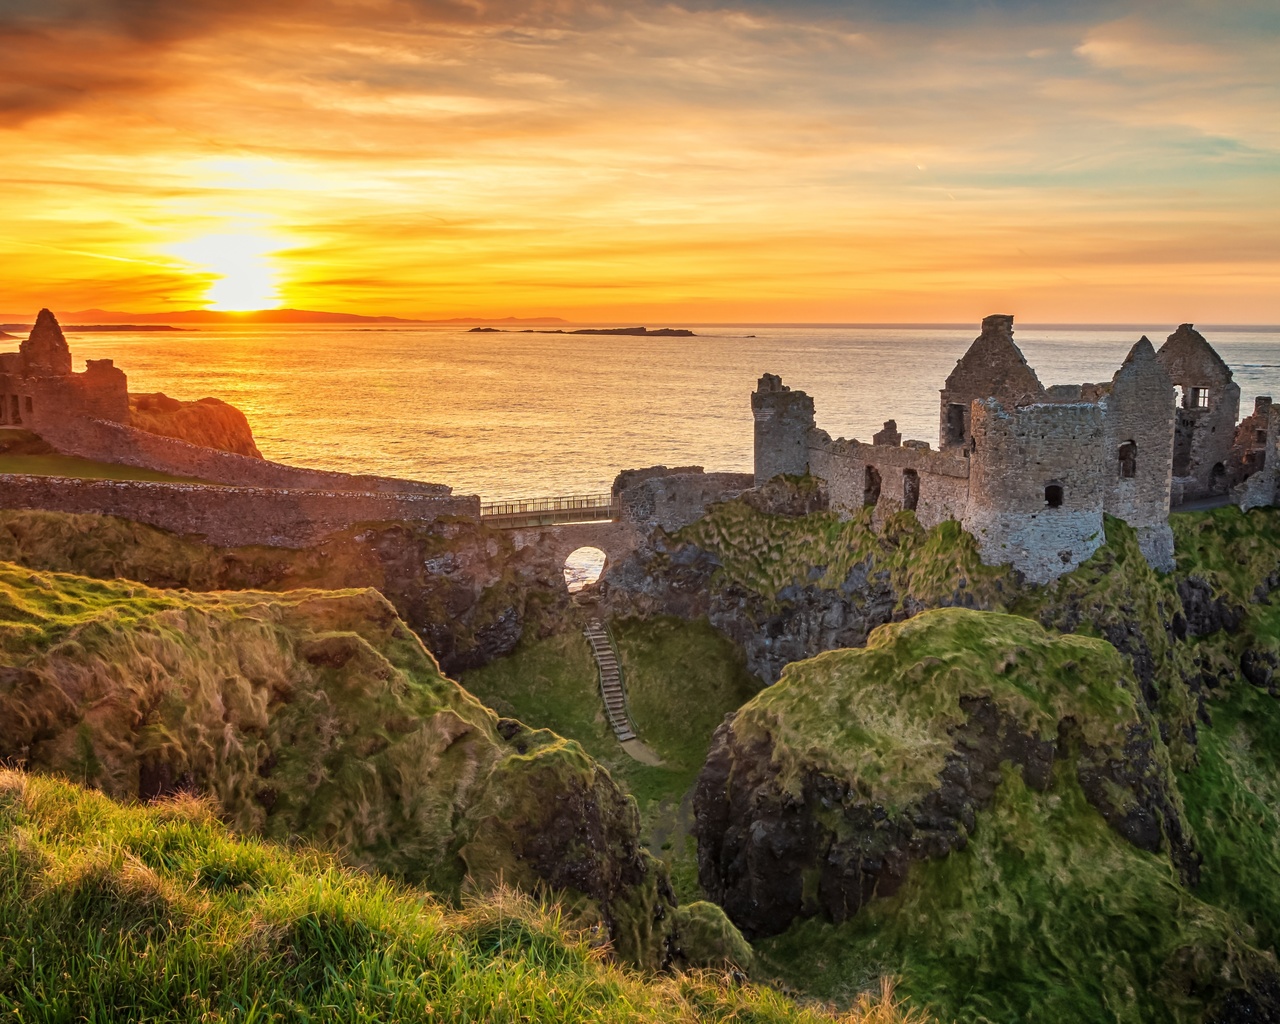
(611, 689)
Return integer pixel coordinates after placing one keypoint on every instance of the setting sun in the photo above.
(239, 267)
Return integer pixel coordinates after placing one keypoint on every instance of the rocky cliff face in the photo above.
(210, 422)
(320, 716)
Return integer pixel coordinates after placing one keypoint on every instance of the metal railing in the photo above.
(595, 503)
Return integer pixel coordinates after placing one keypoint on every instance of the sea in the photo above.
(514, 415)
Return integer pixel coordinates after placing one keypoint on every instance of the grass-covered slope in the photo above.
(111, 913)
(1052, 904)
(682, 678)
(316, 715)
(1048, 915)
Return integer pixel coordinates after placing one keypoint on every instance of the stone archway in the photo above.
(583, 568)
(554, 544)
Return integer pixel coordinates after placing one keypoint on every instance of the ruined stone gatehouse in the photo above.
(1030, 471)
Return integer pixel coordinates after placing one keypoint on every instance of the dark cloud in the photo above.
(62, 53)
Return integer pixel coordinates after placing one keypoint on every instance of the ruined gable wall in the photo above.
(783, 419)
(115, 442)
(1140, 410)
(943, 477)
(1018, 453)
(1203, 436)
(993, 367)
(229, 516)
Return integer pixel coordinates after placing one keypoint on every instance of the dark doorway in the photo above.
(1128, 460)
(955, 424)
(1053, 496)
(871, 486)
(910, 489)
(1218, 478)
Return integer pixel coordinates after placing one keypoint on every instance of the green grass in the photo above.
(72, 466)
(111, 913)
(765, 554)
(682, 679)
(1233, 802)
(1047, 916)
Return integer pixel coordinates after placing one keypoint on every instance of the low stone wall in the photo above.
(104, 441)
(673, 500)
(230, 516)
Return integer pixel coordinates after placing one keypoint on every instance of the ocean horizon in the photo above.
(514, 414)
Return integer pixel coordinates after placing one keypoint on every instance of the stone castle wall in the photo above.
(993, 367)
(229, 516)
(1036, 490)
(1262, 488)
(104, 441)
(940, 485)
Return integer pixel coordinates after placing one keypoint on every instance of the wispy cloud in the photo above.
(811, 159)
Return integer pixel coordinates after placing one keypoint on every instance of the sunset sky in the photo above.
(647, 162)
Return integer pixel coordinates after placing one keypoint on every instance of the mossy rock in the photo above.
(705, 937)
(822, 792)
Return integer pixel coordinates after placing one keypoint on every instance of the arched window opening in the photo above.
(583, 568)
(1128, 460)
(1053, 496)
(910, 489)
(870, 485)
(955, 423)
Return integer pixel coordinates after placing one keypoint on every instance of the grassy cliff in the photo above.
(458, 584)
(314, 715)
(1046, 905)
(117, 913)
(1048, 908)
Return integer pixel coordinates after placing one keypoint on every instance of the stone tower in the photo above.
(783, 421)
(994, 367)
(45, 353)
(1036, 485)
(1138, 451)
(1208, 408)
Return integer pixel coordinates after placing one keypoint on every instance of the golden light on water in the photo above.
(241, 267)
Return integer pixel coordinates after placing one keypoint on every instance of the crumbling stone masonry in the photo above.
(1030, 471)
(1208, 407)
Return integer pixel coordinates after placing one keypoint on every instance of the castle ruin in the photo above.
(38, 389)
(1030, 471)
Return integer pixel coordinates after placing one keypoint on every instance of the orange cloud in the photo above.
(640, 161)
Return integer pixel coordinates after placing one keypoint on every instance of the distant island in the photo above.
(631, 332)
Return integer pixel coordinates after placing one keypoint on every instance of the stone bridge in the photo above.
(556, 543)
